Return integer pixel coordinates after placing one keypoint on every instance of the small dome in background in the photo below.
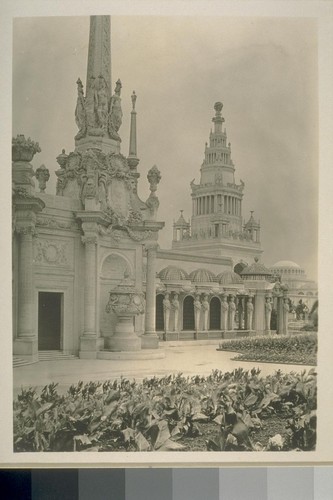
(229, 278)
(172, 273)
(286, 263)
(202, 275)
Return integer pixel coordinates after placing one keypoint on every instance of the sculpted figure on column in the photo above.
(166, 310)
(175, 306)
(205, 310)
(268, 314)
(197, 311)
(224, 313)
(249, 313)
(232, 311)
(285, 316)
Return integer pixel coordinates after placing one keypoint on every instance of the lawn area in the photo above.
(293, 349)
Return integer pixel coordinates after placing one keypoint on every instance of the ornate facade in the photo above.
(89, 277)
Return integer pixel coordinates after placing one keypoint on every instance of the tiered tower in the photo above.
(217, 226)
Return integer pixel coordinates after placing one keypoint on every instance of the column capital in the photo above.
(89, 239)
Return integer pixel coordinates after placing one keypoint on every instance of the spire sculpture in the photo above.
(98, 114)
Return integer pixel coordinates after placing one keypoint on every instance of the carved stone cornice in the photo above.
(24, 201)
(52, 223)
(26, 229)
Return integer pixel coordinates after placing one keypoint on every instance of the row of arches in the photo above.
(187, 321)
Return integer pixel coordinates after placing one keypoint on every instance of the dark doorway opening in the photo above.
(215, 314)
(188, 313)
(49, 321)
(159, 313)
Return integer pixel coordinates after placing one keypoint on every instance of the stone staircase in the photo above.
(43, 356)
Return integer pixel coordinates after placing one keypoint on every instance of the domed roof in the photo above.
(229, 278)
(286, 263)
(202, 275)
(172, 273)
(256, 269)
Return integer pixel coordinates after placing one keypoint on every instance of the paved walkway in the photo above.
(189, 360)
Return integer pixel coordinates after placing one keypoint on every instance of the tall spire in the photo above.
(98, 114)
(132, 154)
(99, 54)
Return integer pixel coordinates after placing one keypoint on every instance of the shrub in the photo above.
(160, 414)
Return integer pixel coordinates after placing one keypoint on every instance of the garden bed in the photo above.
(295, 349)
(240, 411)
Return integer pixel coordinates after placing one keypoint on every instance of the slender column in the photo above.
(150, 339)
(259, 312)
(90, 342)
(90, 286)
(25, 286)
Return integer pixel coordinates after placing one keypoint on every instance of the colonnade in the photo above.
(210, 204)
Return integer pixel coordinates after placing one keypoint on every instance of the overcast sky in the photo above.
(263, 70)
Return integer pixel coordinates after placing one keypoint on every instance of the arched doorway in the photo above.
(188, 313)
(215, 314)
(159, 313)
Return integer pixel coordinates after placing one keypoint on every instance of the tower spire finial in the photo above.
(132, 154)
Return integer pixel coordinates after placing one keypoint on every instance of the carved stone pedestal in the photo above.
(126, 302)
(124, 338)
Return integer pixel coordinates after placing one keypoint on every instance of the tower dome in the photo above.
(229, 278)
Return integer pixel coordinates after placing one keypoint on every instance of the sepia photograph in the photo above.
(165, 222)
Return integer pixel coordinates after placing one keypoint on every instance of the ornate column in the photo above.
(90, 342)
(285, 308)
(197, 314)
(205, 312)
(25, 208)
(268, 314)
(26, 342)
(249, 314)
(231, 313)
(149, 338)
(175, 306)
(224, 313)
(166, 312)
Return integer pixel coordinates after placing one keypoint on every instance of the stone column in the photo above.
(26, 343)
(197, 314)
(231, 313)
(166, 312)
(259, 312)
(224, 313)
(268, 314)
(89, 342)
(149, 339)
(249, 313)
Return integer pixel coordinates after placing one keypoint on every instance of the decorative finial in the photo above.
(118, 87)
(256, 259)
(218, 108)
(251, 212)
(133, 97)
(181, 212)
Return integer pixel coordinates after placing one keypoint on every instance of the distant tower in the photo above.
(181, 228)
(98, 113)
(216, 226)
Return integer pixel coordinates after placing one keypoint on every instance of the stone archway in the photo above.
(215, 314)
(159, 321)
(188, 313)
